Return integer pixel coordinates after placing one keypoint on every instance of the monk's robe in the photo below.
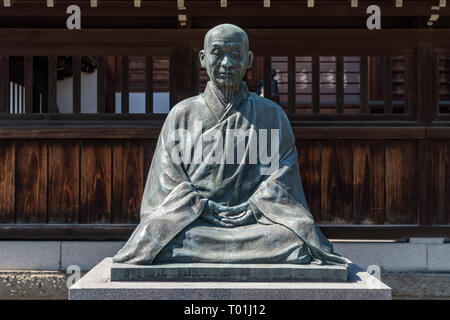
(177, 192)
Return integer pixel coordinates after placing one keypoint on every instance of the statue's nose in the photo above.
(226, 61)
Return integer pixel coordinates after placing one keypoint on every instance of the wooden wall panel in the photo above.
(64, 181)
(309, 163)
(31, 181)
(368, 182)
(337, 182)
(99, 181)
(401, 182)
(7, 181)
(128, 168)
(96, 164)
(441, 181)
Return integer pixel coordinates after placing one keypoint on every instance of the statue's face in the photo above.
(226, 57)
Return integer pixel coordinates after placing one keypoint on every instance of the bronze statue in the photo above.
(213, 193)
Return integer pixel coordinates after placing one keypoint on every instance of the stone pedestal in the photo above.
(97, 285)
(228, 272)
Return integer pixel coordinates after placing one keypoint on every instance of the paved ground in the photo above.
(52, 285)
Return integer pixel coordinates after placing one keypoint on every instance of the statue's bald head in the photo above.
(226, 31)
(225, 55)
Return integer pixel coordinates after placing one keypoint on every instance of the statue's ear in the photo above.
(201, 55)
(250, 60)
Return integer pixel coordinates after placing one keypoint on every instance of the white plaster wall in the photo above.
(89, 97)
(88, 93)
(161, 102)
(390, 256)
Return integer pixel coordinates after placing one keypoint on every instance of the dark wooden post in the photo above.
(364, 84)
(149, 84)
(268, 77)
(4, 84)
(387, 85)
(52, 79)
(291, 86)
(101, 84)
(339, 84)
(183, 74)
(28, 76)
(315, 84)
(76, 96)
(124, 85)
(427, 110)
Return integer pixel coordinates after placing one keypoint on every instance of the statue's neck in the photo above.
(227, 94)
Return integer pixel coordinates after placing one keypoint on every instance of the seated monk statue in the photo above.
(208, 198)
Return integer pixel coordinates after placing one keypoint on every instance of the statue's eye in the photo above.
(236, 53)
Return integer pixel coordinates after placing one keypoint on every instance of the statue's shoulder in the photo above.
(268, 107)
(186, 108)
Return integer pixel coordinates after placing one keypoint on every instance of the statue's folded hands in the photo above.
(210, 215)
(245, 218)
(228, 217)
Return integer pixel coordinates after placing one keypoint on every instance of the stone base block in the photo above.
(97, 285)
(228, 272)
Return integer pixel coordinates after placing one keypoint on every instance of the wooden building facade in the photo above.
(370, 109)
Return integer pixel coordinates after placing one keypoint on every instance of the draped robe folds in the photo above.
(177, 192)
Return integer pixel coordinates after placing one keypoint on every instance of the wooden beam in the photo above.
(122, 232)
(240, 8)
(383, 232)
(138, 126)
(345, 42)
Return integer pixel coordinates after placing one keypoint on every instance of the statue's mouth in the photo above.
(226, 74)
